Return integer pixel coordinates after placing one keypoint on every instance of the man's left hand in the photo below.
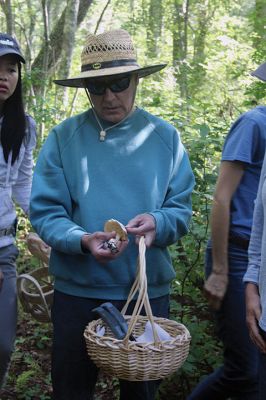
(142, 225)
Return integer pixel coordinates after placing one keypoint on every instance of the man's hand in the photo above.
(215, 288)
(1, 279)
(253, 313)
(142, 225)
(95, 244)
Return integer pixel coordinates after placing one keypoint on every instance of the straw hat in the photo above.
(110, 53)
(260, 72)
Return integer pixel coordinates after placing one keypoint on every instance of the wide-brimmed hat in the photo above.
(107, 54)
(260, 72)
(9, 45)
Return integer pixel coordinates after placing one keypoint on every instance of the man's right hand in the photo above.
(253, 313)
(94, 243)
(215, 288)
(1, 279)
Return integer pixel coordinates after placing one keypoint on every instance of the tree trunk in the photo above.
(204, 15)
(7, 9)
(180, 44)
(70, 28)
(154, 27)
(56, 42)
(259, 17)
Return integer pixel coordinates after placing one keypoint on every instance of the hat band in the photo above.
(108, 64)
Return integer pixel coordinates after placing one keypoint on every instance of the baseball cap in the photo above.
(9, 45)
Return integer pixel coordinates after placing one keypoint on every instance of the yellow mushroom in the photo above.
(114, 225)
(121, 233)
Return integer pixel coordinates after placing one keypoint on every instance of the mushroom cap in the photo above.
(114, 225)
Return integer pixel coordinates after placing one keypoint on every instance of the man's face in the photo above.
(113, 105)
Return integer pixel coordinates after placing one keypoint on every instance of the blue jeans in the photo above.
(74, 375)
(262, 376)
(8, 308)
(237, 378)
(262, 372)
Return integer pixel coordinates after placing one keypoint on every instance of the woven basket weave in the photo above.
(131, 360)
(35, 289)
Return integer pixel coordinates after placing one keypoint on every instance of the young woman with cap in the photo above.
(116, 161)
(17, 141)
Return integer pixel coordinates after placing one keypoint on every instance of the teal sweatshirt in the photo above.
(80, 182)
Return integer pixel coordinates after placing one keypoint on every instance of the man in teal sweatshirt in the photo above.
(114, 161)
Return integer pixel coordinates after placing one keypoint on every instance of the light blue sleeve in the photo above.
(22, 188)
(51, 205)
(255, 246)
(172, 219)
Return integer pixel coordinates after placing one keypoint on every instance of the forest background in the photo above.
(210, 47)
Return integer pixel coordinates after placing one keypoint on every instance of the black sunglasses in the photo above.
(99, 87)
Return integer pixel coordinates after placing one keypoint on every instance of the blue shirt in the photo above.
(80, 182)
(246, 142)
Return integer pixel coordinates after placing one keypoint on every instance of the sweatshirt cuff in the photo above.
(159, 225)
(251, 275)
(74, 241)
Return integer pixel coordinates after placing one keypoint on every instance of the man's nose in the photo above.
(109, 95)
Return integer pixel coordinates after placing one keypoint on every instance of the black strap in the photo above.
(108, 64)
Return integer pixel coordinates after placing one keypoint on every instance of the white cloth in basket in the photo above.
(100, 330)
(147, 335)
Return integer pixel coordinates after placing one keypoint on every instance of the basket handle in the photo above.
(38, 287)
(140, 286)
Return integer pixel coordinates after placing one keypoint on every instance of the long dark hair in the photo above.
(13, 129)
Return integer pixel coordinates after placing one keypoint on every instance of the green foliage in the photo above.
(204, 142)
(23, 381)
(28, 383)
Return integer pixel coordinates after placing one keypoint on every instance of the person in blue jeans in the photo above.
(255, 277)
(227, 259)
(113, 161)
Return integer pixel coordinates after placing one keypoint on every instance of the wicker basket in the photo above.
(131, 360)
(35, 289)
(35, 292)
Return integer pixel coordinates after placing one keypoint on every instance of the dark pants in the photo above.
(262, 372)
(8, 308)
(73, 374)
(237, 378)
